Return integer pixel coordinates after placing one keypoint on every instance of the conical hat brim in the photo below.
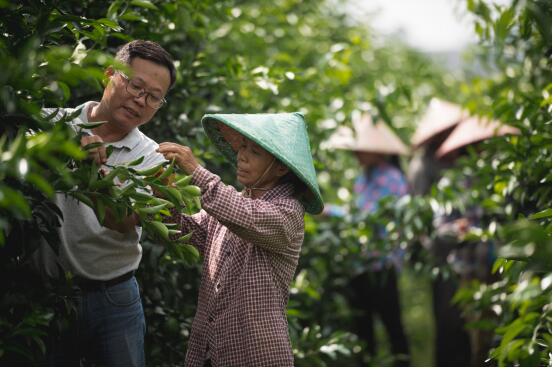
(439, 116)
(283, 135)
(368, 137)
(473, 130)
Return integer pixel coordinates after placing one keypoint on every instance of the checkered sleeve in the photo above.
(271, 224)
(196, 223)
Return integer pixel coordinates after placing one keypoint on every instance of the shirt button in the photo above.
(218, 286)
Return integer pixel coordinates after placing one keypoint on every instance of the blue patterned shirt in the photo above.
(371, 186)
(376, 183)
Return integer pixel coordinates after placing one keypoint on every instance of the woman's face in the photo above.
(253, 161)
(368, 159)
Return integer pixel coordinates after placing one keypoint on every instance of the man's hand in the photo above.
(97, 154)
(124, 225)
(112, 222)
(181, 155)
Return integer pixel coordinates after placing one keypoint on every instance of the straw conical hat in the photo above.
(369, 137)
(283, 135)
(473, 130)
(440, 116)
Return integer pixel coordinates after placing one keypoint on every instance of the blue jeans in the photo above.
(109, 330)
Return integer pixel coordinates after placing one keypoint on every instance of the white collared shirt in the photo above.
(87, 248)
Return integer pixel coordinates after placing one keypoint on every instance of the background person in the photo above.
(374, 291)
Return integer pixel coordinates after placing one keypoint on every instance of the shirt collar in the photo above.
(131, 140)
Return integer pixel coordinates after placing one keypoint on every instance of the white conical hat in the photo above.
(369, 137)
(472, 130)
(440, 115)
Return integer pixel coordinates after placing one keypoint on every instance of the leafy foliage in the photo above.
(39, 156)
(511, 182)
(517, 176)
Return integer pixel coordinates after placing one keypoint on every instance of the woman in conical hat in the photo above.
(377, 149)
(374, 290)
(250, 240)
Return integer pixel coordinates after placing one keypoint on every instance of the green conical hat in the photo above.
(283, 135)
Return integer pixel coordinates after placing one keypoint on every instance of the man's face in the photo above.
(129, 111)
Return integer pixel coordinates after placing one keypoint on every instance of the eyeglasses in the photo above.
(135, 90)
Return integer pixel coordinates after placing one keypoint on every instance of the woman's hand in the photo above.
(182, 156)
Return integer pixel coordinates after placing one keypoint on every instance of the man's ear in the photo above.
(108, 73)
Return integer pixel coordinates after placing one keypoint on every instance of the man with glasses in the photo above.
(110, 326)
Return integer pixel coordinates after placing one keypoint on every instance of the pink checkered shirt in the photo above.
(250, 250)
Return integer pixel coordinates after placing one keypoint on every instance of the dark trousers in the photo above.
(453, 347)
(452, 344)
(109, 329)
(376, 294)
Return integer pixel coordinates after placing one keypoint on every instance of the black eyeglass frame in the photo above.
(142, 92)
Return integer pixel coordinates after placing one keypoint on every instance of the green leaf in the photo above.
(125, 190)
(132, 16)
(499, 263)
(160, 229)
(101, 210)
(192, 250)
(542, 214)
(191, 190)
(14, 201)
(504, 23)
(93, 145)
(185, 238)
(113, 9)
(41, 184)
(40, 343)
(16, 148)
(511, 331)
(150, 171)
(109, 150)
(174, 196)
(182, 182)
(135, 162)
(197, 201)
(112, 24)
(91, 125)
(141, 196)
(168, 171)
(151, 209)
(144, 4)
(73, 150)
(83, 198)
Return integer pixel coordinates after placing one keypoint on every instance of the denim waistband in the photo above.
(93, 285)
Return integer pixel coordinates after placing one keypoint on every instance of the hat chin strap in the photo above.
(248, 190)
